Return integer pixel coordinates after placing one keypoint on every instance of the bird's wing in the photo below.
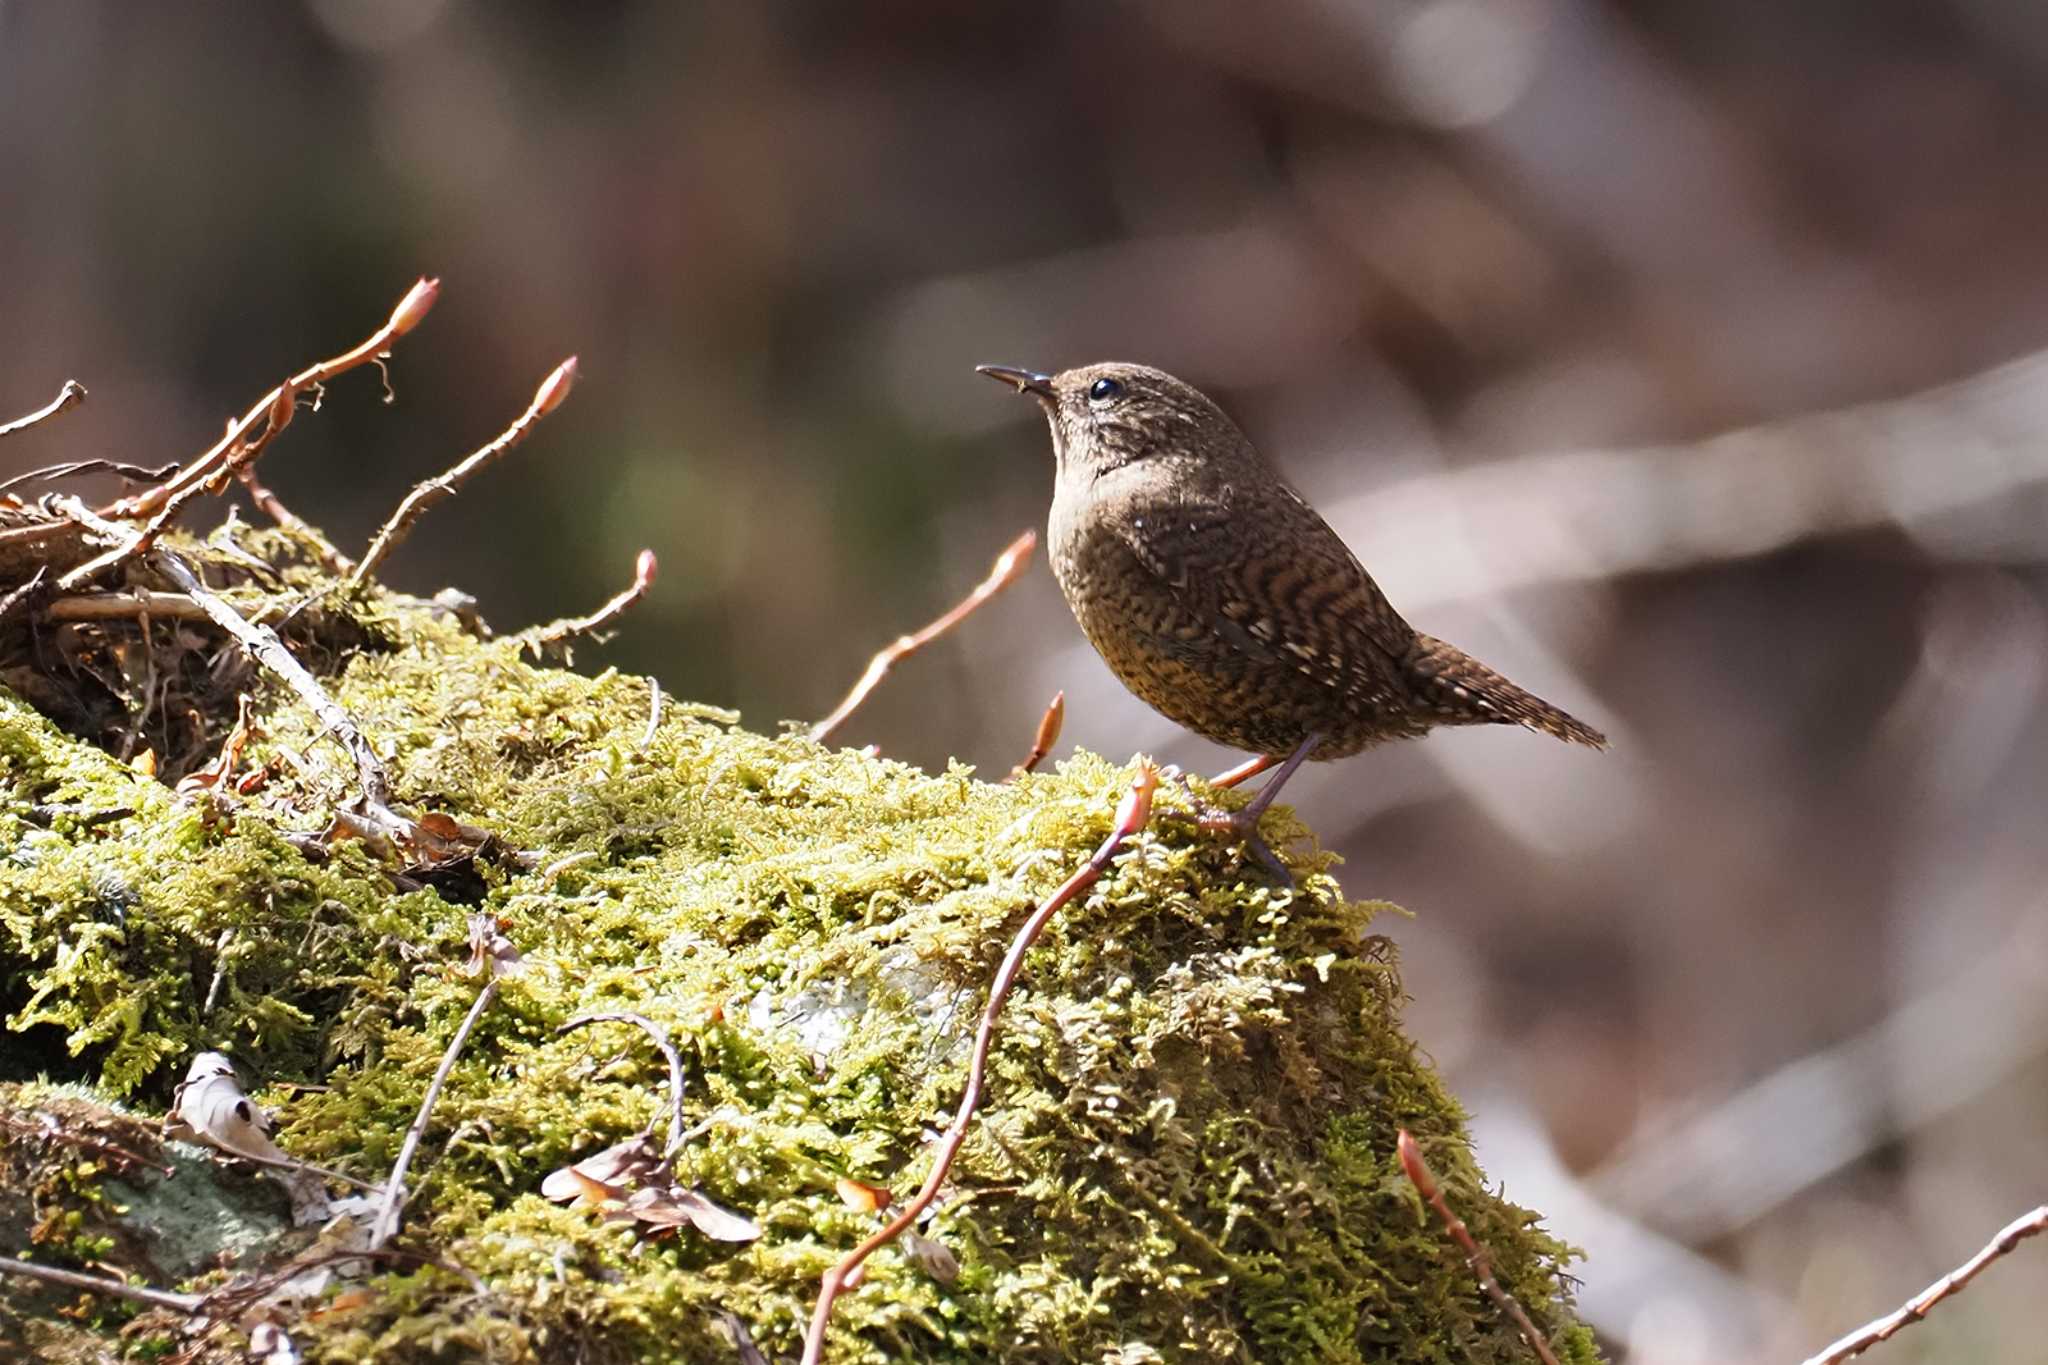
(1278, 584)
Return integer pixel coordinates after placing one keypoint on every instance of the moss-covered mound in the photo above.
(1187, 1148)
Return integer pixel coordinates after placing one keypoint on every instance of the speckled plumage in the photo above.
(1219, 596)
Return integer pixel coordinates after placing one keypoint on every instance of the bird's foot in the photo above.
(1244, 824)
(1241, 825)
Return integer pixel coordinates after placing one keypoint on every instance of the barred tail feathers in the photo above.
(1463, 691)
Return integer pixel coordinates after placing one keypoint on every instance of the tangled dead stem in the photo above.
(1187, 1150)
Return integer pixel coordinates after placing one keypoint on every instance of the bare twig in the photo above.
(101, 1284)
(262, 642)
(482, 927)
(238, 457)
(203, 470)
(1132, 813)
(16, 598)
(1863, 1338)
(1048, 734)
(544, 638)
(1009, 565)
(260, 494)
(110, 606)
(1425, 1184)
(68, 397)
(292, 1163)
(675, 1069)
(546, 399)
(220, 946)
(239, 448)
(51, 472)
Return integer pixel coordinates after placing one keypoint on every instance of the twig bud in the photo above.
(555, 388)
(281, 408)
(1135, 809)
(415, 305)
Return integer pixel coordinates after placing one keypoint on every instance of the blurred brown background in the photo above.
(1752, 1006)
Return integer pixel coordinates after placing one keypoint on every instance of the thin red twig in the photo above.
(1425, 1184)
(1863, 1338)
(546, 399)
(68, 397)
(1132, 813)
(1009, 565)
(644, 566)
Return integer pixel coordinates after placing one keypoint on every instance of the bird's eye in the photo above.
(1102, 390)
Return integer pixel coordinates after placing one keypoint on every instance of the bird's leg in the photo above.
(1245, 823)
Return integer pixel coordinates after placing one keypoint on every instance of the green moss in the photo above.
(1188, 1143)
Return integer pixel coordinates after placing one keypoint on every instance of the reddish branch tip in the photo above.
(1014, 557)
(1412, 1163)
(415, 305)
(1136, 807)
(1050, 723)
(555, 388)
(644, 566)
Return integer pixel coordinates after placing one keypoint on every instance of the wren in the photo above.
(1220, 597)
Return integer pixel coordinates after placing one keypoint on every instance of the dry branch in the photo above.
(1009, 565)
(116, 606)
(134, 473)
(100, 1284)
(483, 934)
(68, 397)
(406, 316)
(238, 448)
(262, 642)
(546, 399)
(1871, 1333)
(1420, 1176)
(16, 598)
(274, 508)
(1132, 814)
(668, 1052)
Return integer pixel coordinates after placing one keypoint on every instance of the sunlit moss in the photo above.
(1188, 1143)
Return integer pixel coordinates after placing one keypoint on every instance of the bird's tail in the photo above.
(1463, 691)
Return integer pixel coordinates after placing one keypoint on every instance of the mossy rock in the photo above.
(1186, 1152)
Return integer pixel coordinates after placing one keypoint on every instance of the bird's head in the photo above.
(1111, 414)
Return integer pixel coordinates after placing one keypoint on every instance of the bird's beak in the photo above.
(1024, 381)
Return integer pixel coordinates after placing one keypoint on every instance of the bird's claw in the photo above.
(1242, 825)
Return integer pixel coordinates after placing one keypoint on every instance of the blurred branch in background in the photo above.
(1883, 1329)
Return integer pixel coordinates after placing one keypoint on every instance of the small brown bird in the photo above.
(1219, 596)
